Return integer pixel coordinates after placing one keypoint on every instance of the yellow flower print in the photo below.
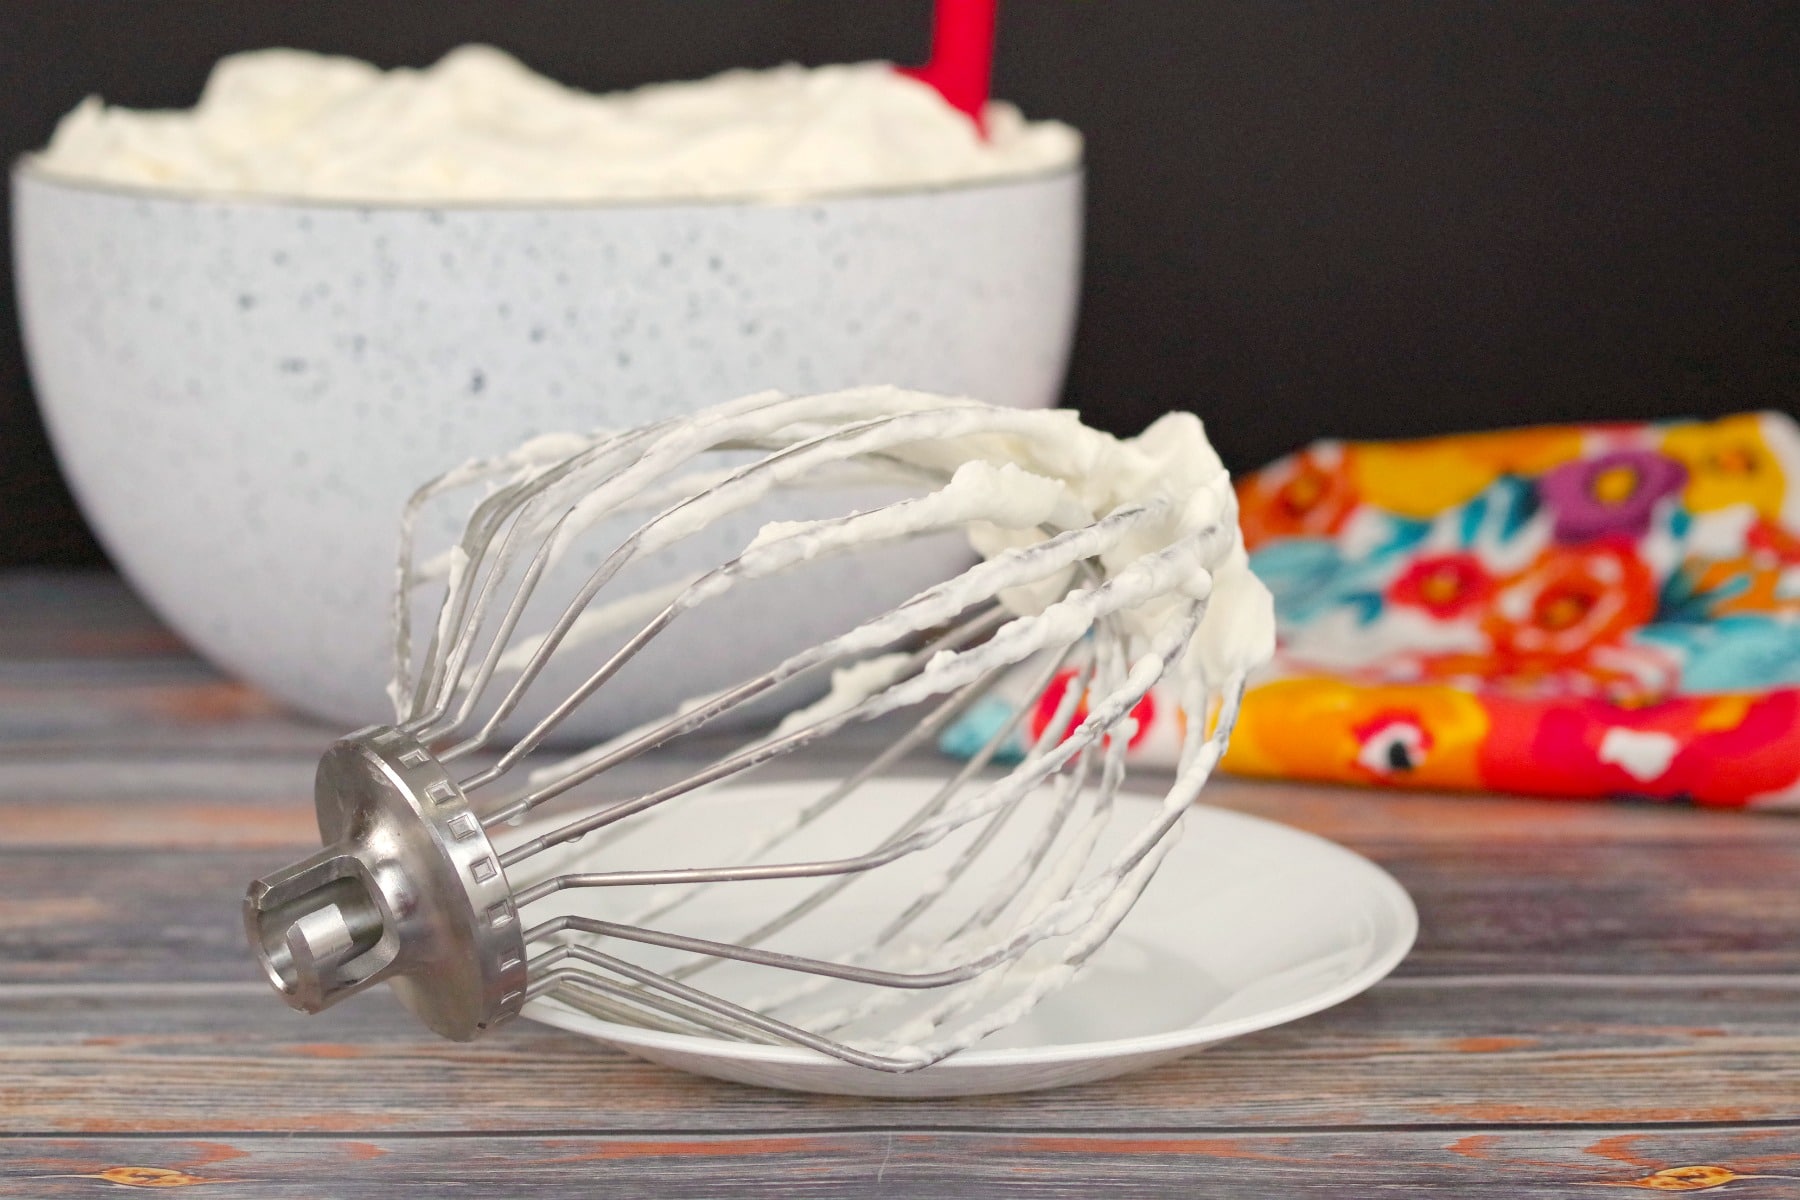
(1422, 478)
(1415, 735)
(1729, 462)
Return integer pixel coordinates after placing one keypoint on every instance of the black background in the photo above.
(1338, 218)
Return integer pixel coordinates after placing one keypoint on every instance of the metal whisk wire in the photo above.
(339, 922)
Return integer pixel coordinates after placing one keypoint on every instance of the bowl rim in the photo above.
(29, 168)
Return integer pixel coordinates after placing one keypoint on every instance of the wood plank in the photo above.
(1760, 1163)
(161, 709)
(1628, 966)
(128, 904)
(268, 774)
(84, 664)
(1374, 817)
(87, 675)
(66, 614)
(187, 1059)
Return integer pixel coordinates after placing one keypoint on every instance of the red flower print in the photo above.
(1445, 585)
(1144, 712)
(1392, 743)
(1770, 539)
(1716, 750)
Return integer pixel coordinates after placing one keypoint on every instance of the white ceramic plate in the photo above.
(1247, 924)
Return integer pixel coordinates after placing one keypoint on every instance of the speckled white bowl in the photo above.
(243, 391)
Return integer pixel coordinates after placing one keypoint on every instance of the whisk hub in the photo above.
(408, 890)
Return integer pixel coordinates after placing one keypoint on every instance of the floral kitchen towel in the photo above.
(1583, 611)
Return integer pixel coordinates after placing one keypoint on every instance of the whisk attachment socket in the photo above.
(408, 890)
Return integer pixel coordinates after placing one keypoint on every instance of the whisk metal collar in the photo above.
(408, 889)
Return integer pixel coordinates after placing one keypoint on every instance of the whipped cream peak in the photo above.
(481, 126)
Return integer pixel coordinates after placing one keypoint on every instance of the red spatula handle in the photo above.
(962, 54)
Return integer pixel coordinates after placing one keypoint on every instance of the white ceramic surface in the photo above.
(1247, 924)
(243, 392)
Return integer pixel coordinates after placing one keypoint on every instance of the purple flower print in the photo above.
(1610, 495)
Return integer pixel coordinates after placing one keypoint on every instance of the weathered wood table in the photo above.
(1600, 995)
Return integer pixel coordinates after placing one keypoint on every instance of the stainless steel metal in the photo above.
(430, 881)
(408, 889)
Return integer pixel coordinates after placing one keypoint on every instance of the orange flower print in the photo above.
(1571, 600)
(1445, 585)
(1304, 495)
(1746, 586)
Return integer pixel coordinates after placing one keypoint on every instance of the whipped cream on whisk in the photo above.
(1007, 477)
(1118, 558)
(1005, 489)
(479, 125)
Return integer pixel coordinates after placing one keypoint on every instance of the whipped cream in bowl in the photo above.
(480, 126)
(255, 326)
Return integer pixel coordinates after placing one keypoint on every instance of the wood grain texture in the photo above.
(84, 666)
(256, 774)
(1762, 1163)
(186, 1058)
(72, 616)
(153, 899)
(47, 712)
(1599, 993)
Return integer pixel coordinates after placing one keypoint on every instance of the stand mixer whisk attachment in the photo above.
(445, 874)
